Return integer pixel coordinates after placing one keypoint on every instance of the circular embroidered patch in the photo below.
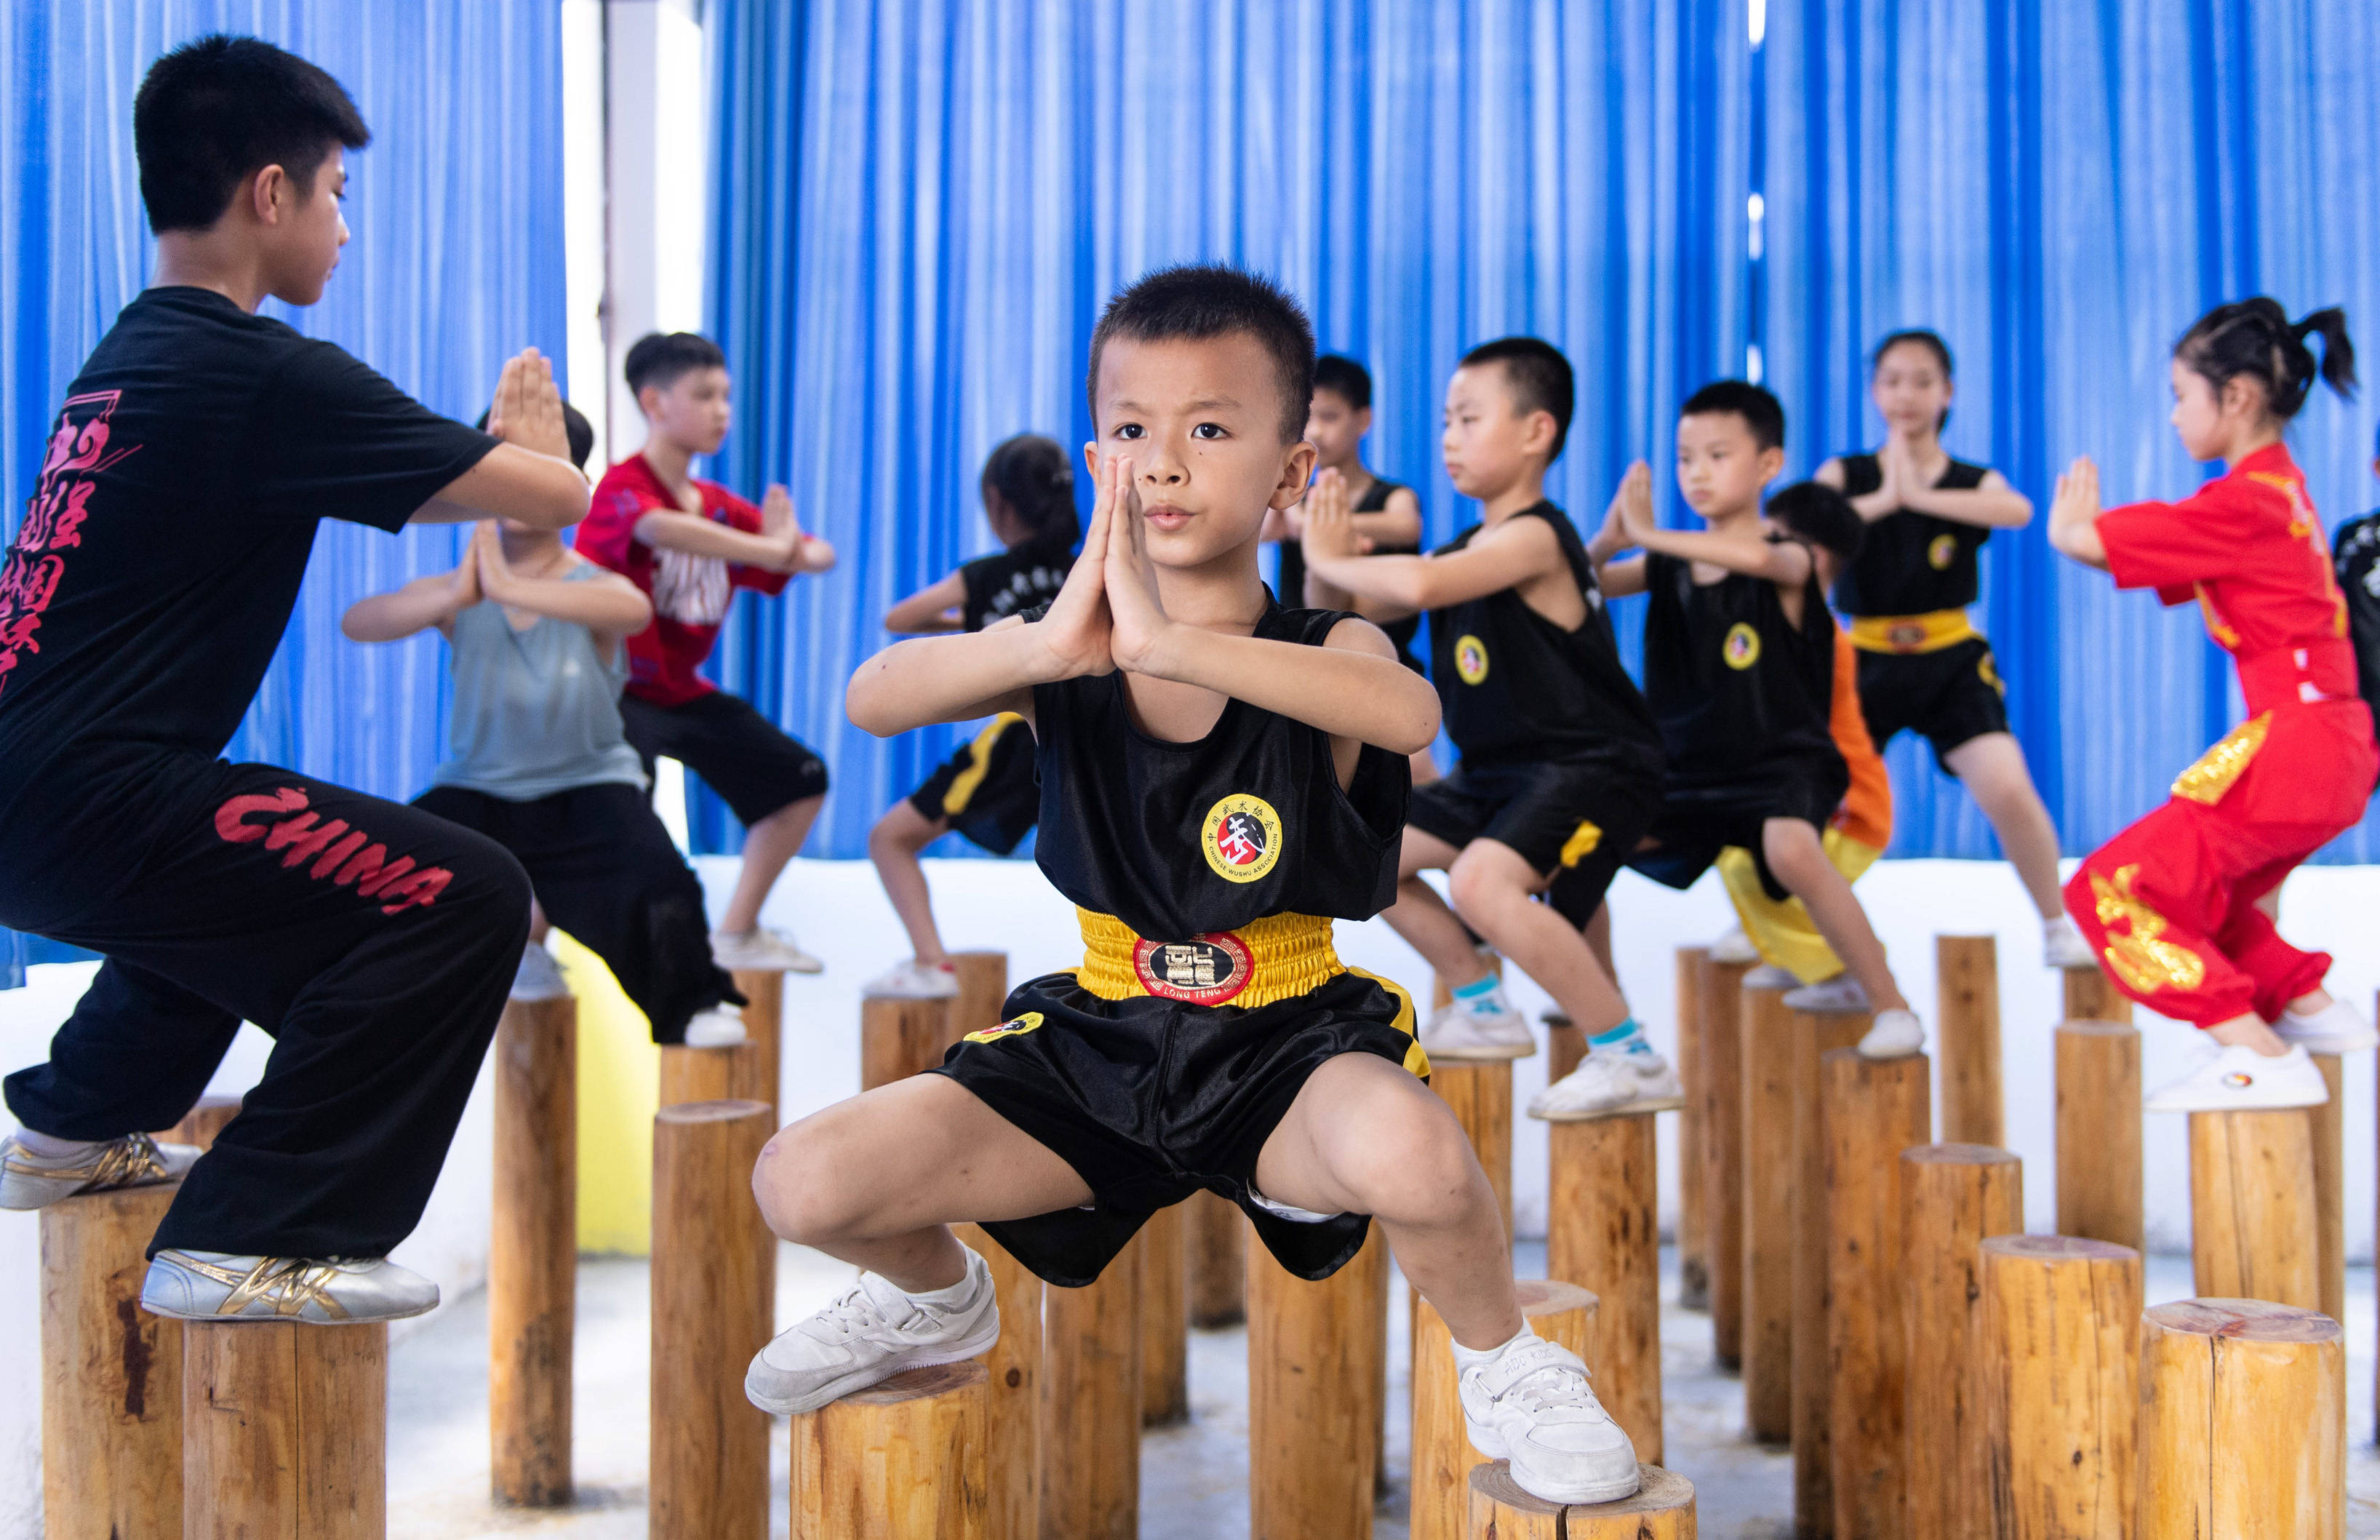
(1940, 551)
(1018, 1027)
(1470, 659)
(1204, 970)
(1742, 649)
(1242, 839)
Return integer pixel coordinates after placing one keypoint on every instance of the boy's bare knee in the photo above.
(801, 1187)
(1410, 1167)
(1792, 849)
(1479, 887)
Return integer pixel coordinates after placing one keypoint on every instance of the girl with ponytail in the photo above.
(2170, 905)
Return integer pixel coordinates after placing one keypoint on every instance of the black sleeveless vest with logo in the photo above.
(1911, 563)
(1517, 687)
(1179, 839)
(1734, 684)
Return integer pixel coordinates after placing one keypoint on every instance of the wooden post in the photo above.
(2099, 1192)
(1663, 1509)
(2244, 1422)
(1565, 1044)
(1480, 1091)
(1312, 1378)
(1767, 1123)
(709, 1465)
(202, 1124)
(1442, 1456)
(1013, 1435)
(111, 1372)
(2252, 1214)
(983, 991)
(285, 1431)
(1215, 1241)
(1967, 969)
(692, 1074)
(1164, 1320)
(533, 1253)
(900, 1036)
(1694, 1201)
(1951, 1197)
(1090, 1408)
(903, 1460)
(2090, 996)
(1601, 1234)
(764, 1029)
(1721, 1013)
(2060, 1373)
(1874, 1109)
(1815, 1035)
(2330, 1190)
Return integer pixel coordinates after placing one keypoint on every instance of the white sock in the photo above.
(50, 1149)
(1467, 1359)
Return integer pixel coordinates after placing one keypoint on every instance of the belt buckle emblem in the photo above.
(1205, 970)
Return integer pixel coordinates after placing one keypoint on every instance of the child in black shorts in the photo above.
(1220, 777)
(1560, 771)
(142, 602)
(1923, 665)
(987, 790)
(1739, 669)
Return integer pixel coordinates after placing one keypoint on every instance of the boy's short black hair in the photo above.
(662, 359)
(1345, 378)
(1761, 412)
(213, 112)
(581, 431)
(1541, 379)
(1820, 514)
(1195, 303)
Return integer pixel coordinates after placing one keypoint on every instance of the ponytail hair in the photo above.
(1034, 477)
(2256, 337)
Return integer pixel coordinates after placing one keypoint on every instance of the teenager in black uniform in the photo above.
(1220, 777)
(1739, 669)
(1561, 767)
(1923, 667)
(987, 790)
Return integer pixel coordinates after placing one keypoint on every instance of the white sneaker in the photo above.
(2062, 946)
(761, 949)
(1841, 993)
(1733, 946)
(538, 977)
(216, 1286)
(2335, 1028)
(1610, 1081)
(1896, 1035)
(1532, 1404)
(29, 1181)
(1455, 1033)
(914, 980)
(871, 1334)
(717, 1027)
(1768, 975)
(2240, 1079)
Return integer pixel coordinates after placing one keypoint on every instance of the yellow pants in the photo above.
(1782, 931)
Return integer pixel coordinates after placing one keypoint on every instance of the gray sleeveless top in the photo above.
(535, 711)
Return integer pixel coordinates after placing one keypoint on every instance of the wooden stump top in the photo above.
(2058, 1248)
(2245, 1320)
(1482, 1056)
(1959, 1154)
(1832, 1010)
(2099, 1029)
(1662, 1492)
(1634, 1109)
(710, 1111)
(911, 1384)
(1541, 1296)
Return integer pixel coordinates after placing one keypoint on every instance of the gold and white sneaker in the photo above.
(29, 1181)
(217, 1286)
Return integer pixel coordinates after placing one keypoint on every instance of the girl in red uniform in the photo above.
(2169, 905)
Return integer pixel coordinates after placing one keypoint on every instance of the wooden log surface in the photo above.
(904, 1459)
(692, 1074)
(2252, 1206)
(1013, 1433)
(2091, 996)
(111, 1372)
(900, 1036)
(1815, 1035)
(764, 1029)
(202, 1124)
(1952, 1197)
(983, 991)
(1768, 1059)
(2061, 1374)
(533, 1253)
(1164, 1321)
(1565, 1044)
(1602, 1234)
(285, 1431)
(1215, 1240)
(2099, 1178)
(1314, 1351)
(1663, 1509)
(1693, 1065)
(1723, 1178)
(2329, 1133)
(1090, 1407)
(1442, 1456)
(1480, 1091)
(1967, 971)
(2244, 1422)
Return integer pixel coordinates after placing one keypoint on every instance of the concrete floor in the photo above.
(1194, 1478)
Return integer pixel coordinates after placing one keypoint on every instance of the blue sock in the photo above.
(1627, 1037)
(1481, 996)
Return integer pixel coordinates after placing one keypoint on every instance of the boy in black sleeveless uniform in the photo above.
(988, 790)
(1561, 767)
(1220, 777)
(1738, 669)
(1923, 665)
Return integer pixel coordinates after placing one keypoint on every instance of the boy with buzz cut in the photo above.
(689, 544)
(142, 602)
(1738, 669)
(1560, 768)
(1220, 777)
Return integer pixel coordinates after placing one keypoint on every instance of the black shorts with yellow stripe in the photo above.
(1949, 696)
(1158, 1069)
(988, 790)
(1575, 820)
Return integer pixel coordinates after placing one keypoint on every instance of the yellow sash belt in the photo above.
(1910, 633)
(1279, 957)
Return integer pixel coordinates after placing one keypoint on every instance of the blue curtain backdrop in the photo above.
(456, 261)
(2060, 188)
(921, 207)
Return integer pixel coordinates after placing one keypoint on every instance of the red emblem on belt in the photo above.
(1906, 638)
(1204, 970)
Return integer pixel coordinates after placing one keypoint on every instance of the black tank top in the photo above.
(2355, 550)
(1180, 840)
(1013, 581)
(1292, 568)
(1733, 683)
(1517, 687)
(1910, 563)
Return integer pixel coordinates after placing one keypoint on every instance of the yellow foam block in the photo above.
(619, 1090)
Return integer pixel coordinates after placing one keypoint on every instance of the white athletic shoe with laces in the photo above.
(2335, 1028)
(717, 1027)
(1455, 1033)
(1896, 1035)
(761, 949)
(2062, 946)
(1607, 1081)
(871, 1334)
(1532, 1404)
(2239, 1079)
(914, 980)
